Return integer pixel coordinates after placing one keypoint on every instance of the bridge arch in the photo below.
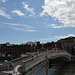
(66, 58)
(29, 63)
(63, 54)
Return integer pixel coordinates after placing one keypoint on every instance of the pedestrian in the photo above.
(5, 63)
(10, 65)
(32, 54)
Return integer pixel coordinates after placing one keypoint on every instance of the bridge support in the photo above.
(50, 63)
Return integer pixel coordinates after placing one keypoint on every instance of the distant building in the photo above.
(33, 43)
(55, 45)
(17, 50)
(67, 43)
(3, 48)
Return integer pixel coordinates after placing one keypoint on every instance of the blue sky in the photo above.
(36, 20)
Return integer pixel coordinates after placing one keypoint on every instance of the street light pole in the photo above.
(46, 67)
(42, 46)
(35, 46)
(31, 46)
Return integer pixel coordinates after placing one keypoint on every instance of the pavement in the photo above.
(19, 62)
(6, 72)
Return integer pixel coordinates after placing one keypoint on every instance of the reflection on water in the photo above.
(69, 69)
(66, 69)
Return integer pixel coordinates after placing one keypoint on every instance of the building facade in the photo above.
(17, 50)
(67, 43)
(55, 45)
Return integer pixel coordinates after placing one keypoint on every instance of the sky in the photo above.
(36, 20)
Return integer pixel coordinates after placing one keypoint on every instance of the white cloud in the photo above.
(56, 26)
(18, 12)
(62, 10)
(21, 27)
(30, 30)
(15, 24)
(4, 14)
(53, 26)
(61, 37)
(31, 10)
(48, 39)
(3, 0)
(58, 37)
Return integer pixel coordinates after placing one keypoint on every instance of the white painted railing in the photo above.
(29, 63)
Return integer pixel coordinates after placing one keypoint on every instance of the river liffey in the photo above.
(66, 69)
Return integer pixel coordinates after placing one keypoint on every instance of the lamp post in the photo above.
(23, 66)
(31, 46)
(35, 46)
(46, 66)
(42, 46)
(46, 62)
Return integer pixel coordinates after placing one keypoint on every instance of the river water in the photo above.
(69, 69)
(57, 69)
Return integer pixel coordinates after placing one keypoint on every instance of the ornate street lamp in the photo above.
(35, 46)
(42, 46)
(31, 46)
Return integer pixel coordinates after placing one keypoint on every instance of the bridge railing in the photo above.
(32, 61)
(20, 58)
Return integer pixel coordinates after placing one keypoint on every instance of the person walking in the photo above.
(32, 54)
(10, 65)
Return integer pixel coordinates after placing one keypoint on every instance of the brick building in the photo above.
(3, 48)
(55, 45)
(17, 50)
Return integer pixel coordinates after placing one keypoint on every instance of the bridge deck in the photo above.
(28, 62)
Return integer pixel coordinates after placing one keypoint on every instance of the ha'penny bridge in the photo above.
(24, 64)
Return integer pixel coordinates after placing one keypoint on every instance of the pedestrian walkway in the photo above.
(12, 72)
(6, 72)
